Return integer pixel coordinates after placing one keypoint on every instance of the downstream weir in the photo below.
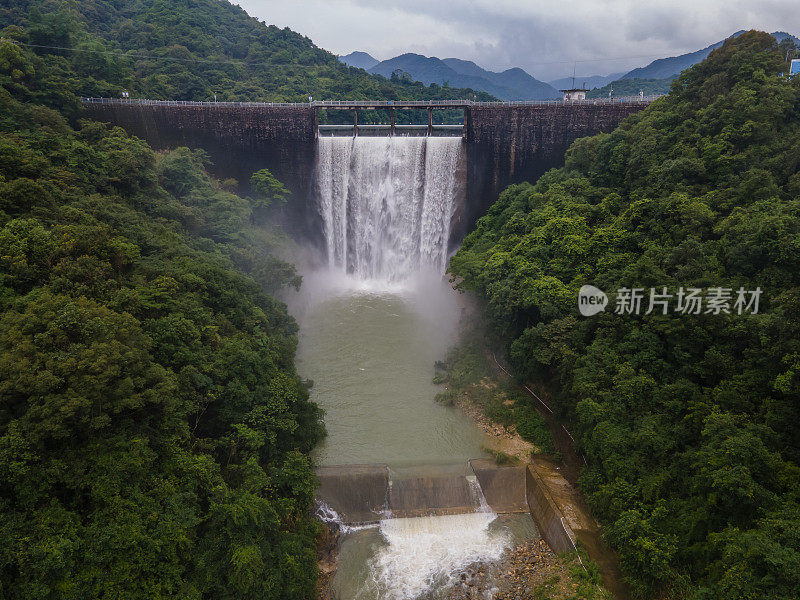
(363, 494)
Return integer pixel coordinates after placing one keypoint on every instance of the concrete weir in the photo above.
(430, 490)
(358, 493)
(362, 494)
(503, 487)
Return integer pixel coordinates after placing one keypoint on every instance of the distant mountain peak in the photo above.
(671, 67)
(360, 60)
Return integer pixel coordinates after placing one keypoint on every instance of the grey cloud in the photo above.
(543, 38)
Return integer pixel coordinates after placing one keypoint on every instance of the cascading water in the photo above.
(425, 555)
(386, 203)
(421, 556)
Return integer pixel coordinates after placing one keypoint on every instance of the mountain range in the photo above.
(512, 84)
(589, 82)
(516, 84)
(669, 68)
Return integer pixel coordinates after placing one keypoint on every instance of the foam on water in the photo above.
(428, 554)
(329, 516)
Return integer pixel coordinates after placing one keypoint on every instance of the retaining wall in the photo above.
(549, 520)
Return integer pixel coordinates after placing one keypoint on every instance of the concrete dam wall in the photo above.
(240, 140)
(505, 143)
(512, 144)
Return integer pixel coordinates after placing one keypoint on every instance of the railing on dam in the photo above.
(379, 129)
(376, 104)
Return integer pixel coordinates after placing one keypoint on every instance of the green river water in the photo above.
(370, 353)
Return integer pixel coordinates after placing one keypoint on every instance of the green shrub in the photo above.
(447, 398)
(532, 427)
(498, 412)
(500, 457)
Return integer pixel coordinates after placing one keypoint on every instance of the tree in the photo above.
(266, 191)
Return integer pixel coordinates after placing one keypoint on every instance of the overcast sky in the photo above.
(542, 37)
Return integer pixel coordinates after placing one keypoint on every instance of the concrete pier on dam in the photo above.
(506, 142)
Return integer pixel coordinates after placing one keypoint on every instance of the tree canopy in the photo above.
(197, 50)
(688, 420)
(153, 430)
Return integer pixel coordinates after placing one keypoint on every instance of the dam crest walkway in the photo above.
(377, 104)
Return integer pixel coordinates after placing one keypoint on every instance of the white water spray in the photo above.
(387, 202)
(428, 554)
(328, 515)
(425, 556)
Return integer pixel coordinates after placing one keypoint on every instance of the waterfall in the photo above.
(478, 499)
(386, 203)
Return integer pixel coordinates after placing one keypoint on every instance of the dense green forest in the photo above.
(631, 87)
(689, 421)
(153, 430)
(196, 49)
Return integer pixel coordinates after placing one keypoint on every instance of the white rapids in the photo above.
(427, 554)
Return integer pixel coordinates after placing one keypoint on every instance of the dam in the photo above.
(504, 142)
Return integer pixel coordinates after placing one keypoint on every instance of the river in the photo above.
(370, 353)
(373, 321)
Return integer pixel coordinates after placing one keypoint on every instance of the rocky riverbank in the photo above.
(498, 438)
(327, 549)
(529, 571)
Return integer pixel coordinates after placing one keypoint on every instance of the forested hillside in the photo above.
(193, 49)
(153, 430)
(631, 87)
(689, 421)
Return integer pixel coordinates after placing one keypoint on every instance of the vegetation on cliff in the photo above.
(688, 420)
(153, 431)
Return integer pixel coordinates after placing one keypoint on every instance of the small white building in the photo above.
(574, 94)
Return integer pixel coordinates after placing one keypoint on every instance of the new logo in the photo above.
(591, 300)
